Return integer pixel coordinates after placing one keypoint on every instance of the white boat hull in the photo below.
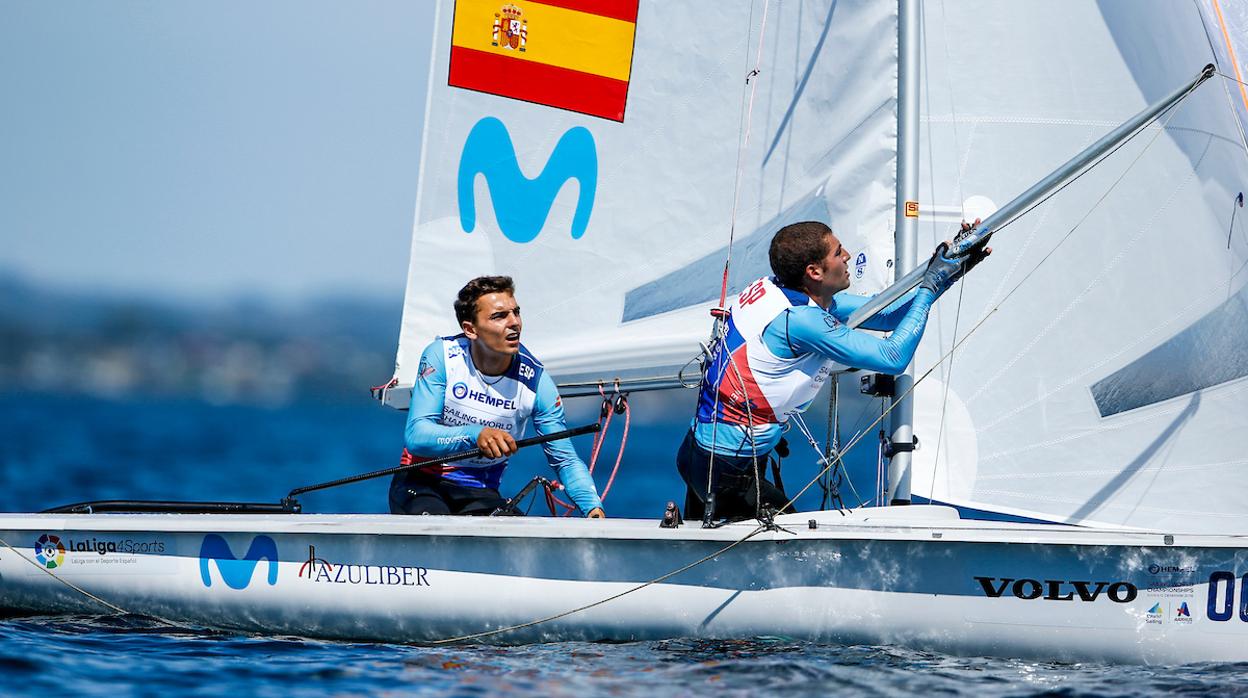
(917, 577)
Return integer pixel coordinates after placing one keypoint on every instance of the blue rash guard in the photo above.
(805, 328)
(427, 436)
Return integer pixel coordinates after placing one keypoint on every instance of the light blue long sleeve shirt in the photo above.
(805, 329)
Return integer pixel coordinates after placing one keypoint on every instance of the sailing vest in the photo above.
(748, 385)
(500, 402)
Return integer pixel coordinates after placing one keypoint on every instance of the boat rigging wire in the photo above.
(1170, 111)
(626, 592)
(720, 312)
(749, 418)
(839, 457)
(748, 115)
(835, 475)
(68, 583)
(832, 442)
(761, 528)
(1169, 115)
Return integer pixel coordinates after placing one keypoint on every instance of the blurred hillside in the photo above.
(243, 351)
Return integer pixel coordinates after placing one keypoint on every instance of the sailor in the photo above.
(481, 388)
(784, 334)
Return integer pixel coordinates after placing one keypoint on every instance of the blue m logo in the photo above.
(236, 572)
(521, 205)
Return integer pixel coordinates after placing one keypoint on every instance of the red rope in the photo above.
(619, 456)
(608, 409)
(552, 499)
(601, 436)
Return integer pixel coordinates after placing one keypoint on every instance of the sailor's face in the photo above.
(833, 271)
(497, 324)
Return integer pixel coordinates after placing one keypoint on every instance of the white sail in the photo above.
(1107, 383)
(615, 227)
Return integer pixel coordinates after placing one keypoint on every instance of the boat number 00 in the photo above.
(1225, 581)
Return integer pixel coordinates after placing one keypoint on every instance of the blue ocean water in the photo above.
(60, 450)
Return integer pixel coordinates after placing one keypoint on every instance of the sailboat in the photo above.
(1066, 439)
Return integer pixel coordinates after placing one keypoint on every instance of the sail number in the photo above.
(1222, 596)
(751, 294)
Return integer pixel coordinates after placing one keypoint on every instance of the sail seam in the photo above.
(1141, 339)
(1108, 267)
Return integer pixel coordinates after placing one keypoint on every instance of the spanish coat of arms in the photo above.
(511, 29)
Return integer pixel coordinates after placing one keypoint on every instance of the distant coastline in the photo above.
(245, 351)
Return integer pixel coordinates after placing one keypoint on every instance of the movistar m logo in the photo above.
(236, 572)
(521, 205)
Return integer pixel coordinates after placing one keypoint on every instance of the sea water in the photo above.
(60, 450)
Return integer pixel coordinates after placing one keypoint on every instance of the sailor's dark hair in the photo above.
(794, 247)
(466, 303)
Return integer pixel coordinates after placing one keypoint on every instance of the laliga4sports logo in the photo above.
(521, 205)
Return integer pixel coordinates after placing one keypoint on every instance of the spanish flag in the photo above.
(568, 54)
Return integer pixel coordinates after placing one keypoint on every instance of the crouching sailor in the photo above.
(481, 388)
(785, 334)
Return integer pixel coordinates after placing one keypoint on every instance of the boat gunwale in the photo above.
(830, 525)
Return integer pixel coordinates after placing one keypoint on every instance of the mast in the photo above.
(905, 238)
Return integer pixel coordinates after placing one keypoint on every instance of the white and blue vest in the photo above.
(500, 402)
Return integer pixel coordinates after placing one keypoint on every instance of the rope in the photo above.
(944, 400)
(626, 592)
(958, 342)
(838, 466)
(1169, 112)
(608, 411)
(828, 466)
(110, 606)
(620, 455)
(833, 440)
(66, 582)
(884, 413)
(749, 418)
(745, 143)
(721, 551)
(601, 436)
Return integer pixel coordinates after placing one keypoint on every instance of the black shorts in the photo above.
(738, 495)
(414, 492)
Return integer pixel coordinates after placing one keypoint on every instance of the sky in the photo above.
(210, 150)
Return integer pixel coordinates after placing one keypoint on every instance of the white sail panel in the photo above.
(1107, 382)
(616, 231)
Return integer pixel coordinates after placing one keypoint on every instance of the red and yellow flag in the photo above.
(569, 54)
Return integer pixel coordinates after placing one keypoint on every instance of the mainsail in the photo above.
(1106, 383)
(603, 154)
(601, 159)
